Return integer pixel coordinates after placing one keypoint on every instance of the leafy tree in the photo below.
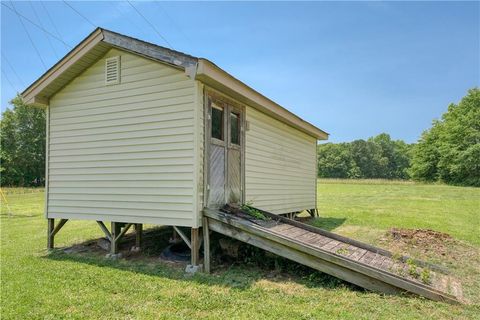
(367, 156)
(378, 157)
(425, 156)
(450, 150)
(22, 154)
(394, 158)
(336, 161)
(386, 163)
(402, 158)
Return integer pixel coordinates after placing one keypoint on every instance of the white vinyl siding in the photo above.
(124, 152)
(280, 165)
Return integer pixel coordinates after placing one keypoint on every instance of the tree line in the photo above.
(22, 153)
(448, 152)
(379, 157)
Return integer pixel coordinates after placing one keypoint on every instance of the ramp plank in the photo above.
(361, 264)
(358, 254)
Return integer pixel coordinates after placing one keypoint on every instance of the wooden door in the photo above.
(234, 156)
(225, 174)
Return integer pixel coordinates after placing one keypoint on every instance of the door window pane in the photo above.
(217, 123)
(235, 128)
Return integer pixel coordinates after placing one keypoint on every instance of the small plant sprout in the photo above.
(426, 276)
(412, 268)
(342, 251)
(253, 212)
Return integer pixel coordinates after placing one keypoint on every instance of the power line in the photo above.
(150, 24)
(40, 22)
(126, 17)
(36, 25)
(164, 10)
(13, 69)
(30, 38)
(53, 24)
(81, 15)
(8, 80)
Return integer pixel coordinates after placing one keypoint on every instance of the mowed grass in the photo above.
(35, 284)
(380, 205)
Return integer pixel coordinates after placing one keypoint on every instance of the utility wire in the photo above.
(150, 24)
(8, 80)
(40, 22)
(173, 22)
(81, 15)
(125, 16)
(29, 37)
(53, 24)
(13, 69)
(36, 25)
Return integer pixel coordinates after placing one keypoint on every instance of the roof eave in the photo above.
(32, 95)
(210, 74)
(38, 93)
(149, 50)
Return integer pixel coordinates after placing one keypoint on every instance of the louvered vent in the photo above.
(112, 70)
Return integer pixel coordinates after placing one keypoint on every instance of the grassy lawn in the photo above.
(379, 205)
(35, 284)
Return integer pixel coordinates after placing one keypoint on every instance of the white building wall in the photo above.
(280, 165)
(124, 152)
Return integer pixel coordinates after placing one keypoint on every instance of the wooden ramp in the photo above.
(350, 260)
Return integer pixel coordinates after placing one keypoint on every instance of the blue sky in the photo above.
(354, 69)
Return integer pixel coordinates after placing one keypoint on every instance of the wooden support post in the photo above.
(123, 228)
(206, 245)
(183, 236)
(115, 232)
(313, 212)
(53, 230)
(195, 246)
(105, 230)
(138, 235)
(50, 235)
(59, 226)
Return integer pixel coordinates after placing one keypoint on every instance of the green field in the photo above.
(379, 205)
(35, 284)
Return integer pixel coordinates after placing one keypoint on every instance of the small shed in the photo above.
(141, 134)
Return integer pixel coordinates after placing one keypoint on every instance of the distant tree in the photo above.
(402, 159)
(450, 150)
(367, 157)
(394, 158)
(378, 157)
(22, 153)
(336, 161)
(386, 162)
(425, 155)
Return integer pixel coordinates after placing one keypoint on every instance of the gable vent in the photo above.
(112, 70)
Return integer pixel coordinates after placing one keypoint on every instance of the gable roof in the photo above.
(100, 41)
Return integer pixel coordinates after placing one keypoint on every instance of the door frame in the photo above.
(228, 104)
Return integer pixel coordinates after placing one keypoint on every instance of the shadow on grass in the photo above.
(328, 224)
(253, 265)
